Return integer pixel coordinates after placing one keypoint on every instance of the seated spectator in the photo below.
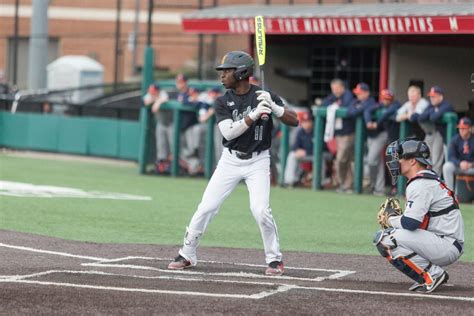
(377, 138)
(410, 111)
(433, 115)
(155, 97)
(302, 150)
(343, 130)
(460, 153)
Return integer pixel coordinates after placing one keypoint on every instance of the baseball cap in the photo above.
(361, 87)
(181, 77)
(304, 116)
(386, 94)
(464, 122)
(435, 90)
(153, 88)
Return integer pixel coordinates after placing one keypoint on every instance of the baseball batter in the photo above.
(243, 118)
(430, 233)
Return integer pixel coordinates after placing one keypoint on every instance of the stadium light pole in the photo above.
(200, 49)
(15, 44)
(117, 43)
(147, 80)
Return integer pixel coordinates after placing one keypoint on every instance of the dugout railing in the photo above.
(450, 119)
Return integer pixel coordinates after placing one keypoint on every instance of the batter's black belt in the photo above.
(244, 156)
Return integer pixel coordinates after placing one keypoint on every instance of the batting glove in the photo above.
(262, 108)
(265, 96)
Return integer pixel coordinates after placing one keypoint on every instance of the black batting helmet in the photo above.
(407, 149)
(240, 61)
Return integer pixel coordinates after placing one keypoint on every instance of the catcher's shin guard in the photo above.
(401, 263)
(410, 269)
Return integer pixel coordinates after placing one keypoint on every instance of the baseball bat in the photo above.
(261, 47)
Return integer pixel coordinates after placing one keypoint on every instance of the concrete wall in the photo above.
(448, 67)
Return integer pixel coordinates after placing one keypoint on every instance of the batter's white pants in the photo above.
(428, 246)
(229, 172)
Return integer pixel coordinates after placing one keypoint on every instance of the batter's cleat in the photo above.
(179, 263)
(443, 278)
(275, 268)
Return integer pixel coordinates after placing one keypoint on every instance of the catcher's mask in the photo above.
(406, 149)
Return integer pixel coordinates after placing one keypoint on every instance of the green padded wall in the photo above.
(74, 135)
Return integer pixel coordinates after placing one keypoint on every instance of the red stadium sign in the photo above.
(336, 25)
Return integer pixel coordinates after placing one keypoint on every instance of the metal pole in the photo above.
(318, 138)
(136, 27)
(15, 44)
(200, 49)
(117, 44)
(147, 79)
(149, 25)
(384, 62)
(38, 54)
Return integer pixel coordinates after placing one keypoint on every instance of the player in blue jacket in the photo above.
(378, 129)
(436, 136)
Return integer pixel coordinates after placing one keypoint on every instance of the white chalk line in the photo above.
(222, 274)
(160, 277)
(123, 289)
(260, 295)
(102, 262)
(219, 262)
(57, 253)
(341, 273)
(281, 288)
(418, 295)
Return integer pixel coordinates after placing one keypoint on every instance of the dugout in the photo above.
(385, 45)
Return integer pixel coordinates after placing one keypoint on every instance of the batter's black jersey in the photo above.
(233, 106)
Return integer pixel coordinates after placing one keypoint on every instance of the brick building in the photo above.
(302, 54)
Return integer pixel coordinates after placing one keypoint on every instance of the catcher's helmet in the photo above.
(406, 150)
(240, 61)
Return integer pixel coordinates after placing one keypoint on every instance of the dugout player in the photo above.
(242, 115)
(430, 233)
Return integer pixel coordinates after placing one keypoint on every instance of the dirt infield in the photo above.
(47, 275)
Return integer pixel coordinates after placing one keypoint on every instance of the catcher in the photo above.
(429, 235)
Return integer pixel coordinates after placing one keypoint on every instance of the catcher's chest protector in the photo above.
(429, 214)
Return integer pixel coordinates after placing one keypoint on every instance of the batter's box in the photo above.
(99, 280)
(222, 269)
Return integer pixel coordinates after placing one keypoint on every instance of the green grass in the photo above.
(307, 220)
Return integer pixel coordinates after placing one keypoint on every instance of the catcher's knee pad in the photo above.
(384, 249)
(410, 269)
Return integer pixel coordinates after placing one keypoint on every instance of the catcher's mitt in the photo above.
(391, 207)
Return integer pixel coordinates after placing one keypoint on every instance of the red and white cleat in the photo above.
(275, 268)
(179, 263)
